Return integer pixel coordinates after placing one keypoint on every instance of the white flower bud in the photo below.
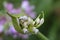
(25, 24)
(41, 21)
(33, 22)
(37, 20)
(29, 20)
(25, 30)
(23, 17)
(35, 30)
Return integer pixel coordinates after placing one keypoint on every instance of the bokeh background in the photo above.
(51, 26)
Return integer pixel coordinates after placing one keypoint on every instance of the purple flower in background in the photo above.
(8, 6)
(10, 9)
(12, 30)
(14, 11)
(14, 33)
(24, 6)
(2, 22)
(28, 9)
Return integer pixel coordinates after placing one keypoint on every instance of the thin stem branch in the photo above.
(41, 36)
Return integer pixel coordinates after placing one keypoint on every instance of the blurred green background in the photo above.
(51, 8)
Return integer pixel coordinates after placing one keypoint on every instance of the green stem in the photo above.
(41, 36)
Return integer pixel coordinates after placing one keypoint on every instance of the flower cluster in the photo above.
(29, 25)
(26, 22)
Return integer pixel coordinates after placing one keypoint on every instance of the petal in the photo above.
(41, 21)
(25, 4)
(8, 6)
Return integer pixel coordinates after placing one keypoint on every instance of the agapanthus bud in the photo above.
(30, 20)
(35, 30)
(25, 30)
(37, 21)
(41, 21)
(24, 18)
(25, 24)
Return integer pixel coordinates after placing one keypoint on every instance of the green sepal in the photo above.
(19, 14)
(15, 23)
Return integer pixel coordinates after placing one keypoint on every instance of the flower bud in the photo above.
(41, 21)
(35, 30)
(23, 17)
(37, 20)
(25, 30)
(30, 20)
(25, 24)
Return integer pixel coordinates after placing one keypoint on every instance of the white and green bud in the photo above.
(37, 21)
(25, 24)
(35, 30)
(25, 30)
(41, 21)
(24, 18)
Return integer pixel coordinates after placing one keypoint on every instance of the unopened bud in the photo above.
(23, 17)
(25, 30)
(41, 21)
(35, 30)
(25, 24)
(37, 20)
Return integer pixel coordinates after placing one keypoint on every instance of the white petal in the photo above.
(25, 30)
(23, 17)
(29, 20)
(41, 21)
(37, 20)
(25, 24)
(35, 30)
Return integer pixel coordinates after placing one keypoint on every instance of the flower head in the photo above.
(29, 25)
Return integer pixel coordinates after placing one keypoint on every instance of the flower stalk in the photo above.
(41, 36)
